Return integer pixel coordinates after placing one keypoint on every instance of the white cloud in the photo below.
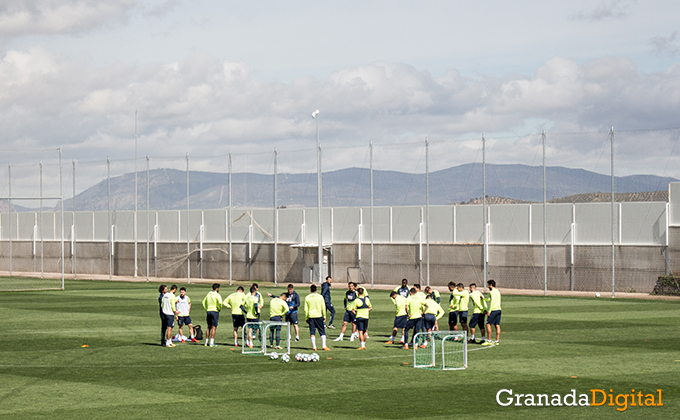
(606, 9)
(206, 106)
(30, 17)
(665, 45)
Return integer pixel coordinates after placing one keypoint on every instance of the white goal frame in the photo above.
(265, 327)
(433, 355)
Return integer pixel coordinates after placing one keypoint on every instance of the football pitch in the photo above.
(549, 345)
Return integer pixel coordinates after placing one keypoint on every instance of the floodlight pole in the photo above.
(611, 132)
(135, 219)
(276, 214)
(108, 209)
(61, 194)
(73, 222)
(229, 222)
(9, 215)
(545, 240)
(427, 208)
(188, 243)
(147, 218)
(372, 222)
(485, 250)
(42, 248)
(315, 115)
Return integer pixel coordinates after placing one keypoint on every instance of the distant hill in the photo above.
(597, 197)
(351, 187)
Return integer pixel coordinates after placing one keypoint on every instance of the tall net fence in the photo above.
(400, 227)
(255, 216)
(30, 227)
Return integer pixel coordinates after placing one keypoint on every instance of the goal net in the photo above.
(266, 337)
(442, 350)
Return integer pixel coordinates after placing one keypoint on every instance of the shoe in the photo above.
(325, 348)
(405, 347)
(497, 343)
(472, 342)
(332, 327)
(183, 341)
(171, 345)
(338, 339)
(487, 343)
(250, 346)
(351, 338)
(213, 345)
(361, 348)
(314, 348)
(206, 344)
(423, 346)
(297, 338)
(401, 342)
(389, 342)
(367, 337)
(193, 340)
(278, 347)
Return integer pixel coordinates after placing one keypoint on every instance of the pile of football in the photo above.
(304, 357)
(285, 358)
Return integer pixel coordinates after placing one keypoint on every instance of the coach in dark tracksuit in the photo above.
(162, 289)
(326, 293)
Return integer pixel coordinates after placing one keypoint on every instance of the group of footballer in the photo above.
(416, 311)
(420, 311)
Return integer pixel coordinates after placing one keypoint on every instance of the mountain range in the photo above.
(351, 187)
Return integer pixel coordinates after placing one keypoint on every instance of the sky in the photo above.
(207, 77)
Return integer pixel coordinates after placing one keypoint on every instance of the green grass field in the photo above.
(124, 373)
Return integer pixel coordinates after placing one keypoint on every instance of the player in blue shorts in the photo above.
(162, 289)
(326, 293)
(278, 308)
(315, 315)
(349, 318)
(183, 305)
(169, 310)
(293, 302)
(463, 298)
(414, 310)
(238, 318)
(478, 311)
(494, 317)
(453, 308)
(212, 303)
(400, 317)
(362, 307)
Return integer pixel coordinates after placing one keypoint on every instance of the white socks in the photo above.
(323, 341)
(313, 338)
